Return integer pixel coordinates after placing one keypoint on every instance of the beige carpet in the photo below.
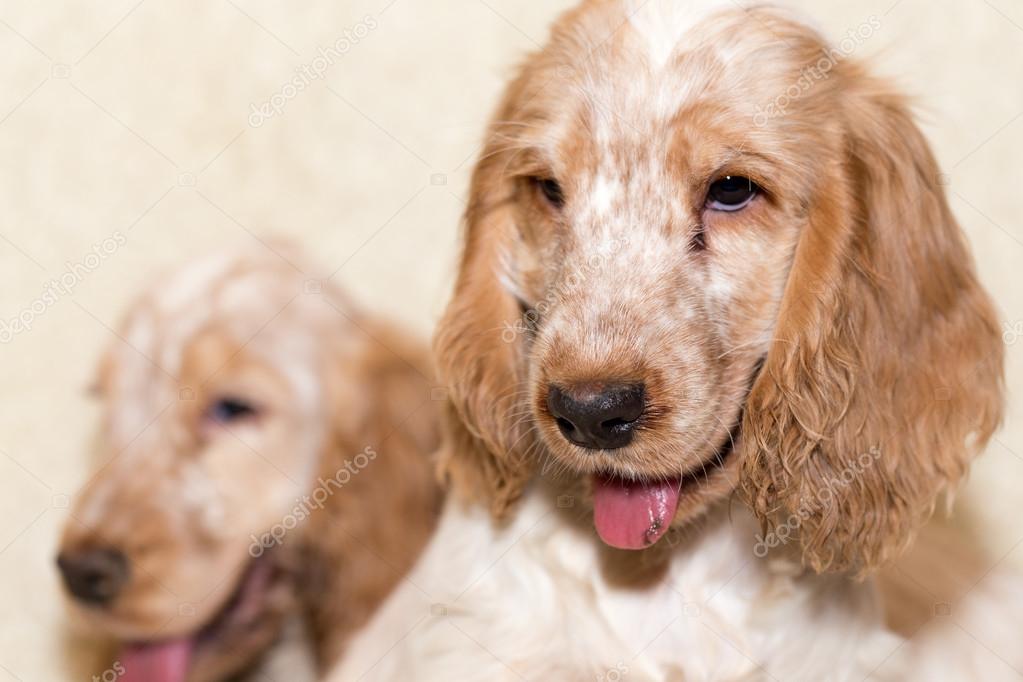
(133, 118)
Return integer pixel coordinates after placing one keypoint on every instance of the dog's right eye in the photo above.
(551, 191)
(732, 193)
(229, 410)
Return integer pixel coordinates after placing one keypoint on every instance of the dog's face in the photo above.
(216, 411)
(666, 286)
(657, 227)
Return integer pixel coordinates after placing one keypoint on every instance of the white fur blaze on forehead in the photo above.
(663, 23)
(606, 191)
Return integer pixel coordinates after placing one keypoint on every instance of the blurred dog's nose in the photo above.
(598, 417)
(94, 576)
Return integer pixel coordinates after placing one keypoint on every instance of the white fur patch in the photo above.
(529, 601)
(663, 23)
(605, 191)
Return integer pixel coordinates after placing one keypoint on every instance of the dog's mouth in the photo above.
(635, 514)
(175, 660)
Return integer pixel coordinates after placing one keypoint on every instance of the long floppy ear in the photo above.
(478, 348)
(885, 376)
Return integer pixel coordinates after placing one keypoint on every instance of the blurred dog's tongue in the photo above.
(161, 662)
(633, 515)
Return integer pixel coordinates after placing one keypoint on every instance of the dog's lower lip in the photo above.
(694, 476)
(253, 585)
(703, 471)
(245, 603)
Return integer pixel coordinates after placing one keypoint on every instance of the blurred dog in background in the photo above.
(266, 452)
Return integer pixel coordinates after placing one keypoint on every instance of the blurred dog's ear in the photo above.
(885, 377)
(478, 354)
(399, 369)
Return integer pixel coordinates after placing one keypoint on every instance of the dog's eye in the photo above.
(229, 410)
(731, 193)
(551, 191)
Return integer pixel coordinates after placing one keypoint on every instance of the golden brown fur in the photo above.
(853, 321)
(186, 497)
(885, 340)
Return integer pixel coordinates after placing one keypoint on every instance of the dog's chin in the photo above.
(229, 643)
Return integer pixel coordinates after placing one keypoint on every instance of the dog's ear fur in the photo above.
(477, 350)
(885, 376)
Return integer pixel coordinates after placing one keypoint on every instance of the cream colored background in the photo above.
(110, 112)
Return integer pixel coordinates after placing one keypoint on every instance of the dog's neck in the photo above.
(348, 558)
(661, 613)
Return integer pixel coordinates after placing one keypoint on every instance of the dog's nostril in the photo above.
(564, 424)
(598, 417)
(94, 576)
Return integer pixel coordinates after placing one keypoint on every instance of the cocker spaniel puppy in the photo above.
(266, 454)
(708, 259)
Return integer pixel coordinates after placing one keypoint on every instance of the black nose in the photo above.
(598, 417)
(94, 576)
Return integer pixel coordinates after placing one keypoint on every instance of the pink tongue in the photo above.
(162, 662)
(633, 515)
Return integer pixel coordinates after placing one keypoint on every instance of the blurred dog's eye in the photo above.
(731, 193)
(228, 410)
(551, 191)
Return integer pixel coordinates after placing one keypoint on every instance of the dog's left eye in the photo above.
(228, 410)
(731, 193)
(551, 191)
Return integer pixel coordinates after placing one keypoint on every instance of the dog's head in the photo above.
(225, 388)
(706, 251)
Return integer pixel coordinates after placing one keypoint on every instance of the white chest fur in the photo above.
(537, 600)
